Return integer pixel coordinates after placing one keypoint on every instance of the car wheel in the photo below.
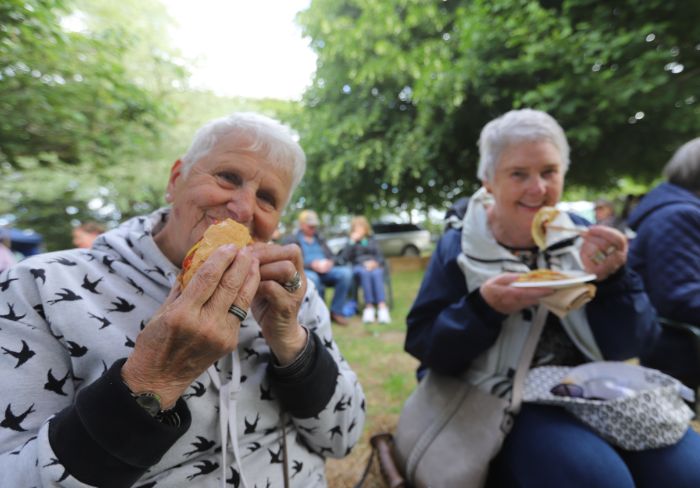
(410, 250)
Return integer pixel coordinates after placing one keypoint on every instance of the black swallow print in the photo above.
(103, 320)
(362, 405)
(129, 342)
(352, 425)
(205, 467)
(142, 324)
(39, 309)
(270, 430)
(328, 343)
(22, 356)
(66, 296)
(309, 430)
(341, 405)
(39, 274)
(76, 350)
(251, 426)
(55, 336)
(55, 385)
(156, 269)
(4, 285)
(254, 447)
(296, 467)
(55, 462)
(200, 445)
(64, 262)
(11, 315)
(266, 394)
(243, 378)
(275, 457)
(91, 286)
(235, 478)
(250, 352)
(23, 445)
(13, 421)
(107, 261)
(335, 430)
(121, 305)
(198, 390)
(139, 290)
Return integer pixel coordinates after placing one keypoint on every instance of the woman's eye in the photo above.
(229, 178)
(268, 199)
(520, 175)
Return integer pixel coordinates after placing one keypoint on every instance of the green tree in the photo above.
(403, 88)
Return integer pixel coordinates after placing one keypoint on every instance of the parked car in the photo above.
(393, 239)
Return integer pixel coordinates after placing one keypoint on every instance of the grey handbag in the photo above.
(449, 430)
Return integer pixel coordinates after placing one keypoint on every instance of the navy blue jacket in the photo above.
(448, 328)
(666, 250)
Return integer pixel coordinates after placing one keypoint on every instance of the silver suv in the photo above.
(401, 239)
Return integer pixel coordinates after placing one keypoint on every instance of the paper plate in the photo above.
(573, 278)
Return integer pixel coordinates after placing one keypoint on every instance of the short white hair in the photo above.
(684, 167)
(514, 127)
(261, 135)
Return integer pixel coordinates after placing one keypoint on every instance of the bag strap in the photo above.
(526, 355)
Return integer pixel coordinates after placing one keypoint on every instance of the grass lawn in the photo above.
(386, 373)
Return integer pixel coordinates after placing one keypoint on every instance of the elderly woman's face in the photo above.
(227, 183)
(528, 176)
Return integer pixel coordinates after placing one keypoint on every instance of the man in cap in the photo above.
(320, 266)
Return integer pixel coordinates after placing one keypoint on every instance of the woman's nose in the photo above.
(538, 185)
(241, 205)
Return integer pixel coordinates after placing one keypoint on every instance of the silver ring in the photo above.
(598, 256)
(610, 250)
(294, 284)
(238, 312)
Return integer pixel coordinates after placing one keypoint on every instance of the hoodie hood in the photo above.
(663, 195)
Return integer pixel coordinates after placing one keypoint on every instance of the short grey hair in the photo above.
(514, 127)
(261, 135)
(684, 167)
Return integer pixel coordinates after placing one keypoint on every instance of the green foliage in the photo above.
(403, 88)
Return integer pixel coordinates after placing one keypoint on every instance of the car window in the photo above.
(388, 228)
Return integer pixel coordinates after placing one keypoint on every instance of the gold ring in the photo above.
(598, 257)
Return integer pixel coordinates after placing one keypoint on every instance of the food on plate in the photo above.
(227, 232)
(542, 275)
(539, 225)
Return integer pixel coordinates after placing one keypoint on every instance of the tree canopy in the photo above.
(403, 88)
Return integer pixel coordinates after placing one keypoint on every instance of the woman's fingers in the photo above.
(507, 299)
(235, 284)
(207, 278)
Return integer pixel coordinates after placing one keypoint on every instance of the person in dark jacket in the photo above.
(367, 260)
(666, 254)
(320, 264)
(467, 319)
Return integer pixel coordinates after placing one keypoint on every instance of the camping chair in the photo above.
(354, 293)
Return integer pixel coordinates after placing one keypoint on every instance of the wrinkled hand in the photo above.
(604, 251)
(507, 299)
(274, 307)
(193, 328)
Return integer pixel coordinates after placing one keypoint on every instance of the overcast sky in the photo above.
(249, 48)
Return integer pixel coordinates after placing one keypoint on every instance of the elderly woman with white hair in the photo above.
(114, 375)
(466, 318)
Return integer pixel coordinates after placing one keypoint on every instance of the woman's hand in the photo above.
(604, 251)
(276, 308)
(193, 328)
(507, 299)
(370, 264)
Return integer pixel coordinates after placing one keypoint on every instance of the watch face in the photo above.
(149, 402)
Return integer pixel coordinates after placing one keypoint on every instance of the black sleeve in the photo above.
(106, 439)
(306, 386)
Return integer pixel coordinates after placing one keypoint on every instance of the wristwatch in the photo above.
(150, 402)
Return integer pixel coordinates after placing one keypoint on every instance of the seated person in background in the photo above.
(320, 265)
(127, 378)
(605, 215)
(367, 261)
(86, 233)
(666, 254)
(467, 320)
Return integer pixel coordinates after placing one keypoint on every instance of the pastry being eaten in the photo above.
(539, 225)
(227, 232)
(542, 274)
